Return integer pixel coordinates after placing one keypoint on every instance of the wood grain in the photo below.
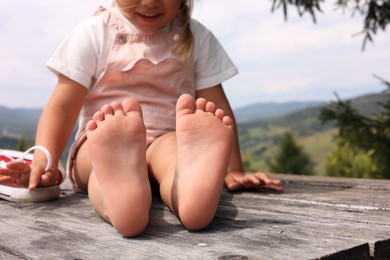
(314, 218)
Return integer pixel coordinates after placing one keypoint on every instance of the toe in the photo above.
(131, 105)
(210, 107)
(227, 120)
(185, 105)
(98, 116)
(107, 110)
(117, 108)
(91, 125)
(201, 104)
(220, 114)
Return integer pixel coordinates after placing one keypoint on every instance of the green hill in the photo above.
(19, 120)
(260, 111)
(258, 139)
(259, 132)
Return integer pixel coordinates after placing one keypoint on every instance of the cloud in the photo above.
(278, 60)
(29, 36)
(295, 60)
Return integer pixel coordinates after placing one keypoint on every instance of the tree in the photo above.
(377, 12)
(348, 161)
(23, 144)
(369, 134)
(247, 162)
(290, 158)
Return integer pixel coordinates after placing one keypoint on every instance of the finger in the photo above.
(264, 178)
(48, 178)
(18, 166)
(8, 180)
(35, 178)
(18, 171)
(276, 182)
(249, 181)
(10, 173)
(231, 184)
(45, 179)
(273, 187)
(254, 179)
(271, 181)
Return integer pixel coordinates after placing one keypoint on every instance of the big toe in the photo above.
(131, 105)
(185, 105)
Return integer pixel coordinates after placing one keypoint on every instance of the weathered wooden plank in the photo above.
(9, 254)
(315, 217)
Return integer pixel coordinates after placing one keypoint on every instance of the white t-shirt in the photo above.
(83, 54)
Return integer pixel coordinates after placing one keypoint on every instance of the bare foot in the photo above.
(116, 144)
(204, 142)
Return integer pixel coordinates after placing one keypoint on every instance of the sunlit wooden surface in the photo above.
(315, 217)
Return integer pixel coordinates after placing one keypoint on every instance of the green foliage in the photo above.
(377, 17)
(259, 139)
(290, 158)
(319, 146)
(376, 13)
(247, 162)
(23, 144)
(369, 134)
(303, 6)
(347, 161)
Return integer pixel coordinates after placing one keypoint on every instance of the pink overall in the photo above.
(143, 67)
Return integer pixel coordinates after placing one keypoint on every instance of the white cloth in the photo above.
(82, 55)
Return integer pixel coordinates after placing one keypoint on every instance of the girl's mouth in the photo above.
(148, 17)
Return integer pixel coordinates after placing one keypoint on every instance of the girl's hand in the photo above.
(40, 177)
(23, 175)
(237, 180)
(17, 173)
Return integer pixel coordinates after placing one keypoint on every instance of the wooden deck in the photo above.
(324, 218)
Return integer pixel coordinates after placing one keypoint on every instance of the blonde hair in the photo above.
(184, 45)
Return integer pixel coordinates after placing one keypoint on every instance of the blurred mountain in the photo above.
(259, 111)
(259, 125)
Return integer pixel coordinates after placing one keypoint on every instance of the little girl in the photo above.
(147, 79)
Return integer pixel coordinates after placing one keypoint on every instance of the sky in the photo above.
(278, 61)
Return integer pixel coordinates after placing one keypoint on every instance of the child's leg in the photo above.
(191, 165)
(118, 186)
